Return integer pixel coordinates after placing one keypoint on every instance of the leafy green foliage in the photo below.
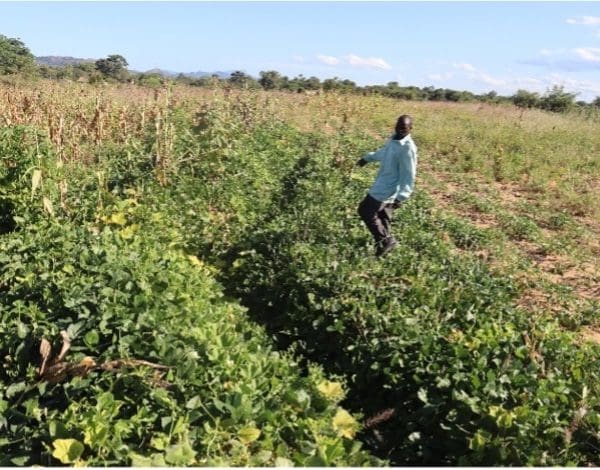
(526, 99)
(122, 289)
(114, 66)
(119, 293)
(132, 269)
(432, 334)
(15, 57)
(557, 99)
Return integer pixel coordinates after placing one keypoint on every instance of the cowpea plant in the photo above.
(428, 338)
(118, 348)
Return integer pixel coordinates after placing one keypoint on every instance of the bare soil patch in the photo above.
(582, 277)
(591, 334)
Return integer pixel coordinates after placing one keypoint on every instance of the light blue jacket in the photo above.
(397, 172)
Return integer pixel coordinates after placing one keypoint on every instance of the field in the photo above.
(185, 281)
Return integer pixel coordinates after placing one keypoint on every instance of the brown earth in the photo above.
(582, 277)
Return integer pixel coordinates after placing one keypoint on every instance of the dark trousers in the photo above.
(377, 216)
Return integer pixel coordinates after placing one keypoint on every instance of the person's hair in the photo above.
(404, 122)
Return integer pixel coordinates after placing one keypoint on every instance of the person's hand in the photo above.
(361, 162)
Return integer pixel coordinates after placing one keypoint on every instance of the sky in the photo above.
(475, 46)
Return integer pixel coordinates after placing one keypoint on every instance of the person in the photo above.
(394, 184)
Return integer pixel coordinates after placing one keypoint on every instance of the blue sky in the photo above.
(477, 46)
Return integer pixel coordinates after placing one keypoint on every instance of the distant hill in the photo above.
(61, 61)
(199, 74)
(64, 61)
(219, 74)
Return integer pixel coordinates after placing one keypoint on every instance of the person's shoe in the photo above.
(385, 247)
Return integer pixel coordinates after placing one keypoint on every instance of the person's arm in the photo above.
(407, 171)
(372, 157)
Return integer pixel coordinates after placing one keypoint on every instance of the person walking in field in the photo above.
(394, 184)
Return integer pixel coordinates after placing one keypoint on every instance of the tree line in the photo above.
(16, 58)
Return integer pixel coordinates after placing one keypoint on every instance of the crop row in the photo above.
(429, 341)
(117, 348)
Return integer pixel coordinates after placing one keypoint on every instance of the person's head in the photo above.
(403, 126)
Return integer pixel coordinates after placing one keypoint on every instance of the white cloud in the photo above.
(464, 66)
(479, 76)
(586, 20)
(579, 58)
(355, 61)
(440, 77)
(506, 84)
(327, 59)
(298, 58)
(509, 83)
(585, 88)
(489, 80)
(588, 54)
(527, 81)
(471, 72)
(368, 62)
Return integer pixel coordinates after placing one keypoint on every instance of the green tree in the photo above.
(490, 97)
(47, 72)
(270, 80)
(15, 57)
(242, 80)
(313, 83)
(150, 80)
(439, 94)
(65, 72)
(428, 92)
(348, 85)
(301, 83)
(207, 81)
(458, 96)
(335, 83)
(408, 93)
(526, 99)
(114, 66)
(596, 102)
(558, 100)
(184, 79)
(84, 71)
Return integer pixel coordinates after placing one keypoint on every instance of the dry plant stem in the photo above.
(57, 369)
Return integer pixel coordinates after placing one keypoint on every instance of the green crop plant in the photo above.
(427, 333)
(519, 227)
(155, 366)
(220, 395)
(135, 220)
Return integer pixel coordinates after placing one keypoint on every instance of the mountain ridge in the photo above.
(65, 61)
(61, 61)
